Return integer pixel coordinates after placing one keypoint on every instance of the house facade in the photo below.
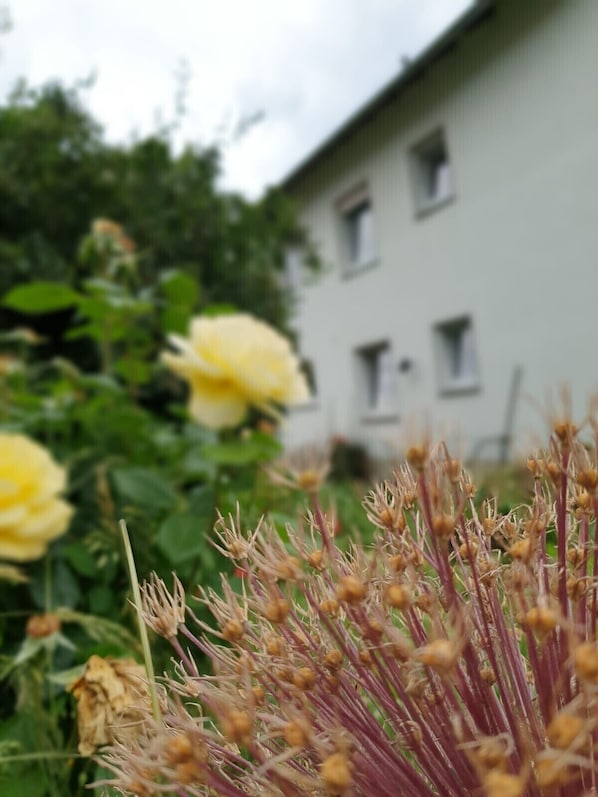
(456, 218)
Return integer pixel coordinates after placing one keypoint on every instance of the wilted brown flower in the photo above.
(112, 700)
(114, 232)
(41, 625)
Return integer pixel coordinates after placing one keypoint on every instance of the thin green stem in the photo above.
(143, 635)
(48, 581)
(9, 759)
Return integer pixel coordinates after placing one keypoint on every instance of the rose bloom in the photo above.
(31, 510)
(232, 362)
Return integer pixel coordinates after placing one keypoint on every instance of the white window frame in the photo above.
(377, 380)
(456, 356)
(431, 164)
(357, 230)
(308, 367)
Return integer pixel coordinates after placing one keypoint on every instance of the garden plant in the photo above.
(174, 620)
(94, 428)
(455, 655)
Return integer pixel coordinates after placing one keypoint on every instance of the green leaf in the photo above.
(30, 781)
(234, 453)
(179, 288)
(269, 445)
(197, 466)
(64, 588)
(258, 447)
(101, 382)
(66, 677)
(201, 503)
(145, 488)
(30, 647)
(181, 537)
(81, 559)
(101, 599)
(41, 297)
(175, 319)
(133, 370)
(219, 309)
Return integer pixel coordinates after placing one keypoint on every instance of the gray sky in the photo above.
(306, 64)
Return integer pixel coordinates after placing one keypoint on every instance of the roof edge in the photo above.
(434, 51)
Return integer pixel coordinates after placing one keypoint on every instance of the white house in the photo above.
(456, 215)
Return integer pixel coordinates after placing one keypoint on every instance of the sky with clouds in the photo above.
(303, 65)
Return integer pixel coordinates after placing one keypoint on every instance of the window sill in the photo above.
(354, 269)
(459, 389)
(428, 208)
(312, 404)
(386, 416)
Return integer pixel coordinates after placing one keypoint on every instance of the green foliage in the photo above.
(84, 380)
(253, 448)
(41, 297)
(57, 173)
(128, 456)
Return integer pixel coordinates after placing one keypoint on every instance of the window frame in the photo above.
(424, 153)
(381, 380)
(350, 213)
(444, 345)
(307, 366)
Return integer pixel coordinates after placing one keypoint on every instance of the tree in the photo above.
(57, 173)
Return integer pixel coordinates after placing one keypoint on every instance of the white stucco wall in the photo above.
(517, 249)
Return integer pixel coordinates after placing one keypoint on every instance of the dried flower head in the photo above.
(455, 656)
(113, 233)
(163, 611)
(112, 700)
(304, 469)
(42, 625)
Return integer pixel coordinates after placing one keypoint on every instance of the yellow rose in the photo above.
(232, 362)
(31, 511)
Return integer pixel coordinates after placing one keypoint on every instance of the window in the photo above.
(358, 242)
(309, 372)
(311, 402)
(360, 234)
(377, 382)
(432, 173)
(456, 355)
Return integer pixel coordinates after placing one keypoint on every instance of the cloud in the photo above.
(307, 65)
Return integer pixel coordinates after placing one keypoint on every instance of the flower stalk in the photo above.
(456, 655)
(143, 635)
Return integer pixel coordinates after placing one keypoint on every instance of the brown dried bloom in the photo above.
(114, 232)
(454, 656)
(112, 699)
(163, 611)
(42, 625)
(305, 469)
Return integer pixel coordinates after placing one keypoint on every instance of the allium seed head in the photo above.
(336, 773)
(454, 655)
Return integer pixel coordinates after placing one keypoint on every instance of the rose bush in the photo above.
(233, 362)
(32, 513)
